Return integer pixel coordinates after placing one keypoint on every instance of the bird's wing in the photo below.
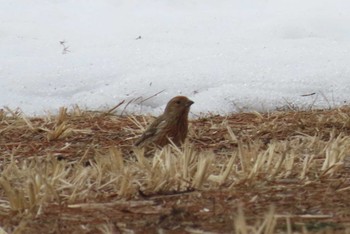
(151, 131)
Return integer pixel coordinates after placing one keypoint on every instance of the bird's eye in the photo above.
(178, 102)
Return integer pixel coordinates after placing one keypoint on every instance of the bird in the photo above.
(171, 126)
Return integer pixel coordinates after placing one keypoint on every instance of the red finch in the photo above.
(171, 125)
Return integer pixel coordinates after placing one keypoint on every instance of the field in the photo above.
(77, 172)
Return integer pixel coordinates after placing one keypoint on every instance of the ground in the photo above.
(77, 172)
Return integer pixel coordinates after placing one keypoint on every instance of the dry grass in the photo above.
(77, 172)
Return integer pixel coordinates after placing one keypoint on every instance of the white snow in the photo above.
(224, 55)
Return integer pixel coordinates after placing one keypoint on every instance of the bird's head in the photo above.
(178, 105)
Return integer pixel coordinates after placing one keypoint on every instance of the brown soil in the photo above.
(320, 205)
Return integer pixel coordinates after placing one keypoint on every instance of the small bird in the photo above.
(172, 125)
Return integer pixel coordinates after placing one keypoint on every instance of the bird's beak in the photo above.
(189, 103)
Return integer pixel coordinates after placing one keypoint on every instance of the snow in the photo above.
(224, 55)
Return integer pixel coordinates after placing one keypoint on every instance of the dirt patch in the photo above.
(77, 172)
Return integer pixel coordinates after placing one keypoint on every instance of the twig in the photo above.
(309, 94)
(65, 47)
(151, 96)
(127, 104)
(112, 109)
(142, 100)
(326, 99)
